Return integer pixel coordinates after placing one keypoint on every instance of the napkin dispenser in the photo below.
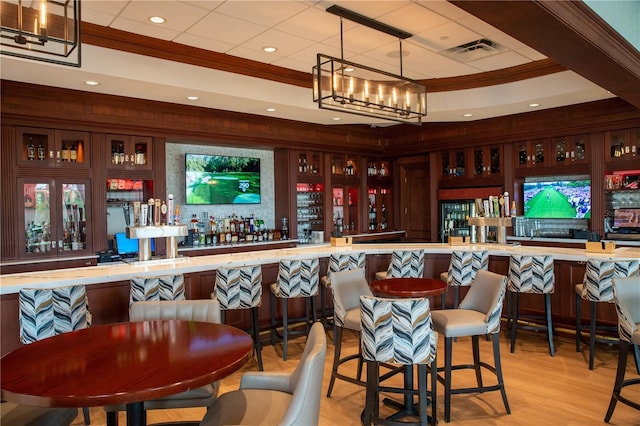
(600, 247)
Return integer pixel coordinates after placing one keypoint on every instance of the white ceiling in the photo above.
(300, 30)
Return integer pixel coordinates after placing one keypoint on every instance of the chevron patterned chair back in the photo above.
(241, 288)
(167, 287)
(596, 287)
(463, 266)
(535, 275)
(49, 312)
(406, 264)
(297, 278)
(398, 331)
(627, 296)
(52, 311)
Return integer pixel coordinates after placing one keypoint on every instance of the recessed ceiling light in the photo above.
(269, 49)
(467, 115)
(271, 109)
(192, 98)
(534, 105)
(336, 118)
(91, 83)
(157, 19)
(348, 69)
(443, 38)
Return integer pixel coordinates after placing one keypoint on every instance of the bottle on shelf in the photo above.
(140, 159)
(73, 153)
(115, 158)
(121, 154)
(64, 152)
(31, 150)
(41, 152)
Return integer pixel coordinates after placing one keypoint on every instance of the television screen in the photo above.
(218, 179)
(129, 246)
(558, 199)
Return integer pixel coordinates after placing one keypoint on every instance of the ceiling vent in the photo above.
(474, 50)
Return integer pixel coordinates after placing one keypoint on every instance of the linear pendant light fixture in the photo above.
(345, 86)
(42, 30)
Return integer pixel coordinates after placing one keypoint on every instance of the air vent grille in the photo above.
(474, 50)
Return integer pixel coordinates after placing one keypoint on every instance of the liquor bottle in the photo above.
(41, 152)
(73, 153)
(121, 154)
(31, 150)
(383, 171)
(114, 154)
(64, 151)
(140, 160)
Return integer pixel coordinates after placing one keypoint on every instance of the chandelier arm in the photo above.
(400, 41)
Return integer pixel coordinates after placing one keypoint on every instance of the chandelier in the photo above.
(345, 86)
(42, 30)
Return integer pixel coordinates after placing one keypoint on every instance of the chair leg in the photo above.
(85, 413)
(434, 391)
(370, 412)
(273, 318)
(514, 319)
(592, 336)
(443, 299)
(623, 350)
(323, 305)
(112, 418)
(578, 322)
(422, 394)
(498, 367)
(337, 347)
(509, 312)
(448, 346)
(547, 311)
(285, 327)
(456, 293)
(475, 344)
(255, 331)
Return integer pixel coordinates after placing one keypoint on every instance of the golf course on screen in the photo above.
(558, 200)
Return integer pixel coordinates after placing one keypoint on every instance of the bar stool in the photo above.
(52, 311)
(241, 288)
(338, 262)
(534, 275)
(404, 264)
(167, 287)
(627, 299)
(347, 287)
(597, 287)
(296, 278)
(398, 331)
(478, 315)
(462, 271)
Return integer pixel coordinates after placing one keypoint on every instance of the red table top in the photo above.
(122, 363)
(408, 287)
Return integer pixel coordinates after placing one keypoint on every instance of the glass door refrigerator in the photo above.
(454, 219)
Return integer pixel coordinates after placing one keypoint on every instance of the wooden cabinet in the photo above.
(379, 206)
(453, 163)
(127, 152)
(569, 150)
(52, 148)
(55, 216)
(346, 208)
(346, 166)
(623, 146)
(309, 164)
(487, 161)
(532, 154)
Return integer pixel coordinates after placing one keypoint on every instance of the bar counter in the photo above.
(121, 271)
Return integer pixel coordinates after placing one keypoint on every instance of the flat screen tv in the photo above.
(626, 218)
(562, 198)
(220, 179)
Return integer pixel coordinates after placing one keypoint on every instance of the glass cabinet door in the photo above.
(74, 217)
(37, 218)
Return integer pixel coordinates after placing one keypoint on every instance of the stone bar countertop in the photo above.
(113, 272)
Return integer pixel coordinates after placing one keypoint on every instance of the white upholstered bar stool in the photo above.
(347, 287)
(533, 275)
(297, 278)
(597, 287)
(462, 270)
(478, 315)
(338, 262)
(404, 264)
(241, 288)
(627, 297)
(49, 312)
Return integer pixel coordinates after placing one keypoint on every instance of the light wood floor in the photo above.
(541, 390)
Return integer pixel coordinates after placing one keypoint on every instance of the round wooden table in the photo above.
(408, 287)
(124, 363)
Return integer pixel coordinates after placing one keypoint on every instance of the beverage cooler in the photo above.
(454, 219)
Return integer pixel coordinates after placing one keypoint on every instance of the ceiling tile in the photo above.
(226, 29)
(179, 16)
(500, 61)
(146, 28)
(285, 44)
(266, 13)
(445, 36)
